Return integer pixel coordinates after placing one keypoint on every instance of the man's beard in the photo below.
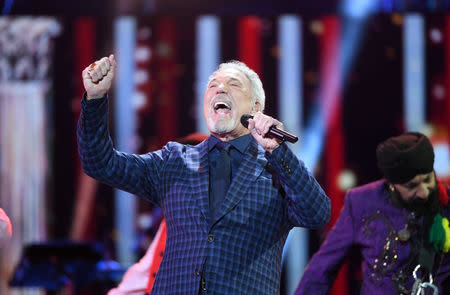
(423, 207)
(221, 126)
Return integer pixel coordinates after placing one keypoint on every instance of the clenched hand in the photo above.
(98, 77)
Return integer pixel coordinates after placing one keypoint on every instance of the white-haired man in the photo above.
(229, 202)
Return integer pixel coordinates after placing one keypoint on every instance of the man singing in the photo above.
(229, 202)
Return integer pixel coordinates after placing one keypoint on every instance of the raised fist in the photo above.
(98, 77)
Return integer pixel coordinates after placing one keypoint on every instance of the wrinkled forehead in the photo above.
(229, 73)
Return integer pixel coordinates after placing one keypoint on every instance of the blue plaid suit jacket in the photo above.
(239, 252)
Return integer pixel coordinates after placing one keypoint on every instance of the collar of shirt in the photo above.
(240, 143)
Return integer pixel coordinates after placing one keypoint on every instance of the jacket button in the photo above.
(203, 283)
(197, 272)
(210, 238)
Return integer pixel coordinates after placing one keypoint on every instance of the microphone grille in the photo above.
(244, 119)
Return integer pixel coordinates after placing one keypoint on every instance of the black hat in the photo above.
(402, 157)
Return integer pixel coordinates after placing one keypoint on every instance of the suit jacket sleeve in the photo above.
(307, 203)
(137, 174)
(323, 267)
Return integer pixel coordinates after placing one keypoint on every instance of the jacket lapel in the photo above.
(197, 163)
(252, 165)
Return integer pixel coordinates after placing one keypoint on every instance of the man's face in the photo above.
(226, 99)
(417, 190)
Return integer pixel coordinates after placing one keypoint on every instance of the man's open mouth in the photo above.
(221, 105)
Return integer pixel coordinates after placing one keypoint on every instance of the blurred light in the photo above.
(144, 221)
(316, 27)
(108, 265)
(7, 7)
(428, 130)
(387, 5)
(139, 100)
(163, 49)
(442, 159)
(334, 78)
(144, 33)
(290, 74)
(125, 123)
(397, 19)
(436, 35)
(358, 8)
(439, 92)
(143, 54)
(140, 77)
(207, 59)
(295, 253)
(414, 72)
(346, 180)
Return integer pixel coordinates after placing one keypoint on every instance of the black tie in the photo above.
(221, 179)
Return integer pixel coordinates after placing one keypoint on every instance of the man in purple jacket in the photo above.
(399, 224)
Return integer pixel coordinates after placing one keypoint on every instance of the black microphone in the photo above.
(273, 131)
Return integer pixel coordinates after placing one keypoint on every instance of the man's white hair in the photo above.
(257, 90)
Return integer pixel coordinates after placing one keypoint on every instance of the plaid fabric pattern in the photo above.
(240, 253)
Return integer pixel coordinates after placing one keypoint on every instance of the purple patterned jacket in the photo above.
(370, 222)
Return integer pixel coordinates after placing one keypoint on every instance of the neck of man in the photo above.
(230, 135)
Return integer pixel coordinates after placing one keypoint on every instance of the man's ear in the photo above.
(257, 107)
